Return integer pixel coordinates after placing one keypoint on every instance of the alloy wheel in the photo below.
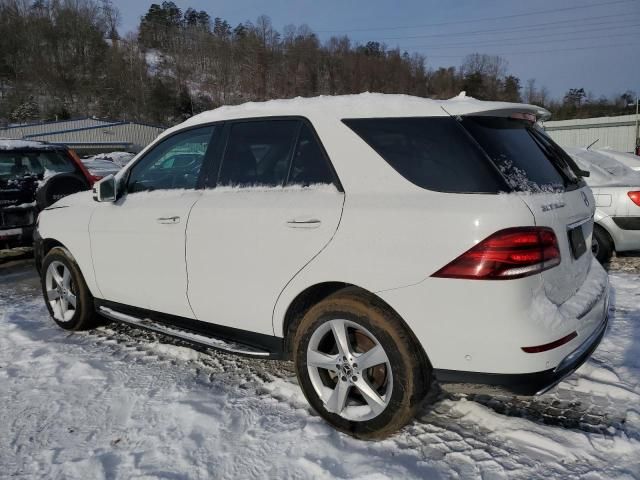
(350, 370)
(61, 292)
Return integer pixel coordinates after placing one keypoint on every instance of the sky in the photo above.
(593, 44)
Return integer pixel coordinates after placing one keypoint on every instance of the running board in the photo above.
(191, 337)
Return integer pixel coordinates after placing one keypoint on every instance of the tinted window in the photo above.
(258, 153)
(513, 147)
(174, 163)
(433, 153)
(16, 164)
(309, 164)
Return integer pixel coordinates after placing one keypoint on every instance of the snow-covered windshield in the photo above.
(15, 164)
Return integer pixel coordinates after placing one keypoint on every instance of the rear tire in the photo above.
(601, 244)
(66, 294)
(376, 397)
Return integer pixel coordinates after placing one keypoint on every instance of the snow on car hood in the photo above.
(605, 170)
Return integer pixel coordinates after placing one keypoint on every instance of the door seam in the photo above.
(186, 264)
(273, 313)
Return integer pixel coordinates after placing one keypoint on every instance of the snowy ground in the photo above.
(116, 403)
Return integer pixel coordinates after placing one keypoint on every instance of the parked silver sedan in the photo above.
(616, 188)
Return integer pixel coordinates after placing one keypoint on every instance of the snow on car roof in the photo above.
(362, 105)
(15, 144)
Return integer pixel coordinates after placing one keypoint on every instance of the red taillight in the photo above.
(510, 253)
(635, 197)
(529, 117)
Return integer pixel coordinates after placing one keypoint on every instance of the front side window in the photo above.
(258, 153)
(174, 163)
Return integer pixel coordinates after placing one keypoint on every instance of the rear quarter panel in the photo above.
(391, 241)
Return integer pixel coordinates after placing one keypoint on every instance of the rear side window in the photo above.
(518, 152)
(433, 152)
(258, 153)
(309, 165)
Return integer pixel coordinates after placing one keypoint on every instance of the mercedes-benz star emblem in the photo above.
(585, 199)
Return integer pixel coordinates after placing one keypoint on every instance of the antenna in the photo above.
(593, 143)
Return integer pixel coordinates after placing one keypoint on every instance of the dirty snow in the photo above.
(119, 403)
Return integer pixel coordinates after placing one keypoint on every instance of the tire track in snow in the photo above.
(454, 435)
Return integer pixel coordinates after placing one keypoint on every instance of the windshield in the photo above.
(527, 158)
(18, 164)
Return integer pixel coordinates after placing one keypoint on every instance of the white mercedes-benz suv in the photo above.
(381, 242)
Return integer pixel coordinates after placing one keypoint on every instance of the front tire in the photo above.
(358, 365)
(66, 294)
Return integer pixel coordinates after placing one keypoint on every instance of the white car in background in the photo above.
(378, 241)
(616, 189)
(104, 164)
(631, 160)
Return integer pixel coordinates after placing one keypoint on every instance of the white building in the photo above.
(88, 135)
(617, 133)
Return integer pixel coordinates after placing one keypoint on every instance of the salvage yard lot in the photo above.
(119, 403)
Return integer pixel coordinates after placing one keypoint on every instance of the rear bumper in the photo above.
(525, 384)
(16, 236)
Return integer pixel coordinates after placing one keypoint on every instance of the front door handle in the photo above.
(168, 220)
(304, 223)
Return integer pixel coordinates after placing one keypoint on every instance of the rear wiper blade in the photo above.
(557, 158)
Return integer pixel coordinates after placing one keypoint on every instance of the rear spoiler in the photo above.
(469, 106)
(541, 114)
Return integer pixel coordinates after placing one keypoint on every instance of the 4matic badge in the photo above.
(552, 206)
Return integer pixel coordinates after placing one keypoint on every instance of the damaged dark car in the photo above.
(33, 176)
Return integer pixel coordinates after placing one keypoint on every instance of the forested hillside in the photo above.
(66, 58)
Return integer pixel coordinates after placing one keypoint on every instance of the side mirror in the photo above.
(105, 189)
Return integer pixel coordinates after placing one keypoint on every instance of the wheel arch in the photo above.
(50, 243)
(45, 245)
(314, 294)
(607, 232)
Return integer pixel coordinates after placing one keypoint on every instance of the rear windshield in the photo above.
(16, 164)
(432, 152)
(528, 159)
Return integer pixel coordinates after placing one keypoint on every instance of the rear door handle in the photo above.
(168, 220)
(303, 223)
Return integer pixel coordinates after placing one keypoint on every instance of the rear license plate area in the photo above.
(577, 242)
